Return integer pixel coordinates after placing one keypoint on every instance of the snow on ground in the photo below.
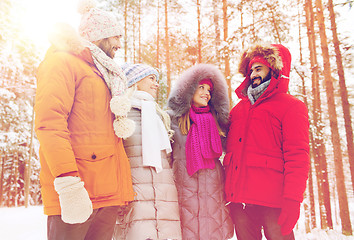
(22, 223)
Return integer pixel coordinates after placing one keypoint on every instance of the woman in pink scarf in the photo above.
(199, 109)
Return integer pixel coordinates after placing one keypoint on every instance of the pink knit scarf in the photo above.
(203, 144)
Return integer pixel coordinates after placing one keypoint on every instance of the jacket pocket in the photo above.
(271, 161)
(98, 169)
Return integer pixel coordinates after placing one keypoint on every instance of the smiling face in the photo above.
(109, 45)
(201, 95)
(259, 74)
(149, 84)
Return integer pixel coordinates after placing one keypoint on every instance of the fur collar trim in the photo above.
(65, 38)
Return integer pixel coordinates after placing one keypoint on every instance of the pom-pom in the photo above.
(120, 105)
(123, 127)
(85, 6)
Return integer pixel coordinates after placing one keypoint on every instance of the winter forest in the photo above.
(172, 35)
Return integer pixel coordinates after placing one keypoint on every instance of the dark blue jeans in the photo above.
(99, 226)
(250, 219)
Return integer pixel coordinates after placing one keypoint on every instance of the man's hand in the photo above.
(75, 203)
(289, 215)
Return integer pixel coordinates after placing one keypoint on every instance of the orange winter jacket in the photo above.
(74, 126)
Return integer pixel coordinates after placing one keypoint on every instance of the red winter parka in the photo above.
(267, 155)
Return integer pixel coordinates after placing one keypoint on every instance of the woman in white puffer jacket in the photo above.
(154, 213)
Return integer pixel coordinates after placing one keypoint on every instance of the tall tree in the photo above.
(227, 52)
(199, 33)
(167, 48)
(311, 211)
(158, 36)
(139, 31)
(343, 91)
(125, 13)
(318, 146)
(338, 161)
(217, 30)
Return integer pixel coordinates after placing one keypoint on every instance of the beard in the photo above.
(255, 83)
(107, 48)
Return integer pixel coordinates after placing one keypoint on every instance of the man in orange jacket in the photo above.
(267, 153)
(80, 120)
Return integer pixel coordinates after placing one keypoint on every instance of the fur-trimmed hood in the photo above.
(279, 59)
(181, 95)
(269, 52)
(64, 37)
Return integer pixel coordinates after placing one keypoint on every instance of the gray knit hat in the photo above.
(136, 72)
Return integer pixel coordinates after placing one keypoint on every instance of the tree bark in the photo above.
(167, 47)
(27, 175)
(338, 162)
(217, 30)
(139, 31)
(158, 36)
(319, 150)
(125, 31)
(199, 33)
(227, 52)
(343, 91)
(3, 159)
(312, 210)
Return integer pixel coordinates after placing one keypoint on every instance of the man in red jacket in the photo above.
(267, 156)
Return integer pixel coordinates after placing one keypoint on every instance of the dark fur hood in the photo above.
(269, 52)
(181, 95)
(279, 58)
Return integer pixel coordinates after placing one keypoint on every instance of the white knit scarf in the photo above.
(255, 93)
(117, 84)
(153, 132)
(111, 71)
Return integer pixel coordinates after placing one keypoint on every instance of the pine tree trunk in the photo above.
(125, 31)
(139, 31)
(158, 36)
(319, 150)
(241, 23)
(217, 30)
(134, 37)
(227, 56)
(338, 162)
(277, 35)
(343, 91)
(16, 179)
(199, 33)
(3, 159)
(167, 47)
(27, 175)
(311, 216)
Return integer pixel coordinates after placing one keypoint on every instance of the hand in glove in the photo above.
(289, 215)
(75, 203)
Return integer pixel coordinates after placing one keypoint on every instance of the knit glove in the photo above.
(289, 215)
(75, 203)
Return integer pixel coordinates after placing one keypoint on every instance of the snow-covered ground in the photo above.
(30, 224)
(20, 223)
